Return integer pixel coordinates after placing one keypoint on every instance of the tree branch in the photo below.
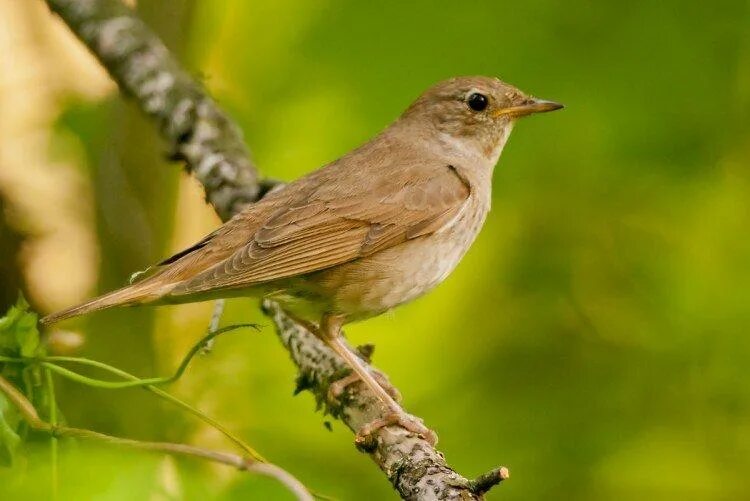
(30, 416)
(415, 468)
(212, 148)
(195, 128)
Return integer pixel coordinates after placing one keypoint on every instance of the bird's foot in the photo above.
(338, 387)
(365, 435)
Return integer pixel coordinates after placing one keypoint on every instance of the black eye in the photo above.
(477, 101)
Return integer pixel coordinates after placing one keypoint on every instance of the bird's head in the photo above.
(473, 114)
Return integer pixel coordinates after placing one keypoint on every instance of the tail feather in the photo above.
(126, 296)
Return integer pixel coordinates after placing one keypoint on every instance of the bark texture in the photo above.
(212, 148)
(197, 131)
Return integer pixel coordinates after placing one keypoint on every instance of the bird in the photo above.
(377, 228)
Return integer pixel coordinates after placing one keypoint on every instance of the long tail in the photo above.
(127, 296)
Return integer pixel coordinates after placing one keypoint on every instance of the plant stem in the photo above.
(49, 363)
(31, 417)
(53, 439)
(134, 381)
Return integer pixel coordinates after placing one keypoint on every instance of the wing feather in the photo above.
(328, 226)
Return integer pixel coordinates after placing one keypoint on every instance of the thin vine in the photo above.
(23, 359)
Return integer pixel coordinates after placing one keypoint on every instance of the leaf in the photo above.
(7, 337)
(27, 335)
(9, 439)
(18, 330)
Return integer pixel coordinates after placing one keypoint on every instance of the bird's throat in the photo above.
(495, 149)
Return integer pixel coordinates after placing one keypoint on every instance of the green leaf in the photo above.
(9, 439)
(8, 341)
(27, 335)
(18, 330)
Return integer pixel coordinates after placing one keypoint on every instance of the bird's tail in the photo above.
(126, 296)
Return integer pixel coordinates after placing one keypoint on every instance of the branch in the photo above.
(30, 416)
(197, 131)
(212, 148)
(416, 469)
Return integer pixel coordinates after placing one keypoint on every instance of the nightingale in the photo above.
(379, 227)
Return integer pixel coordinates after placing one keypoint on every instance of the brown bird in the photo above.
(377, 228)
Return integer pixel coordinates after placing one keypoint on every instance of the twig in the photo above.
(211, 146)
(213, 324)
(31, 417)
(132, 380)
(487, 481)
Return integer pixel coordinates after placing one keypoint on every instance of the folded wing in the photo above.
(327, 225)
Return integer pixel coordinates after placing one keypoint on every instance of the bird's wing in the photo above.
(333, 224)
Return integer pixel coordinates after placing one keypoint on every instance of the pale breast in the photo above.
(375, 284)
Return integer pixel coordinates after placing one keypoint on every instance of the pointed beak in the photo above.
(531, 105)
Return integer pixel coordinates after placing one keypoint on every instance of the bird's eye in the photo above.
(477, 101)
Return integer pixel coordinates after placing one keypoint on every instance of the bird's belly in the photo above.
(410, 271)
(377, 283)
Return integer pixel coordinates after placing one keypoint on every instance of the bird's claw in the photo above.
(337, 388)
(365, 435)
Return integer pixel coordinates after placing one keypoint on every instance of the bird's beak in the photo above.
(531, 105)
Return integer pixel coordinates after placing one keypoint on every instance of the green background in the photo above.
(595, 338)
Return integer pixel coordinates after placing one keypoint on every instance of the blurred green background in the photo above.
(595, 338)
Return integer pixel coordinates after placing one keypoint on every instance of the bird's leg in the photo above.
(337, 387)
(330, 333)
